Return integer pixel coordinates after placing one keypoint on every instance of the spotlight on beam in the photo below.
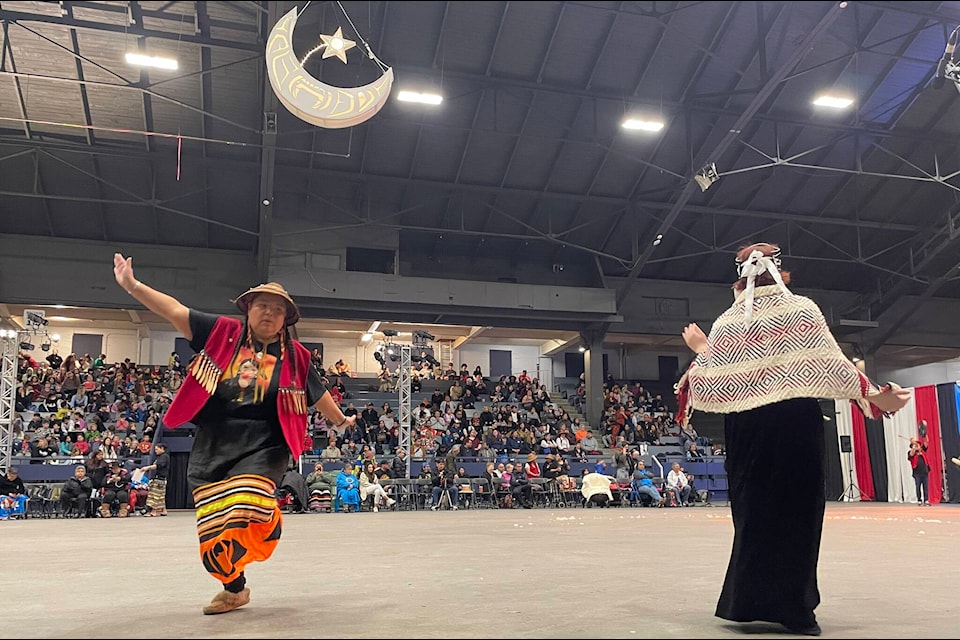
(707, 176)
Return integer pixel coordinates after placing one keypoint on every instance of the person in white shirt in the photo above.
(563, 444)
(677, 482)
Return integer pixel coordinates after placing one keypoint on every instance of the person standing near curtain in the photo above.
(157, 491)
(766, 361)
(244, 441)
(921, 470)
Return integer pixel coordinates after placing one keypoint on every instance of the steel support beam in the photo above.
(8, 394)
(732, 134)
(942, 241)
(403, 392)
(129, 29)
(480, 78)
(268, 153)
(206, 103)
(18, 90)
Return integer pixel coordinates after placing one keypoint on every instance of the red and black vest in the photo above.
(207, 368)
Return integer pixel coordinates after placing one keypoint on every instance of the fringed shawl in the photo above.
(786, 351)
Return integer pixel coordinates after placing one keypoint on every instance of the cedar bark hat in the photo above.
(244, 299)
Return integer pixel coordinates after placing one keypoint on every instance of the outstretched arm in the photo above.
(168, 307)
(330, 410)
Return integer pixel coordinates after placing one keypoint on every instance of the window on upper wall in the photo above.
(370, 260)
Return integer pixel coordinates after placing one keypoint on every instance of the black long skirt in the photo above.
(776, 480)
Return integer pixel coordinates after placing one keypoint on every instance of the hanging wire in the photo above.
(366, 45)
(300, 13)
(180, 112)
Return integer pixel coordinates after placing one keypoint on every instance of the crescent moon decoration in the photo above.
(313, 101)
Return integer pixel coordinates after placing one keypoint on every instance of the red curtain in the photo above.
(928, 409)
(861, 455)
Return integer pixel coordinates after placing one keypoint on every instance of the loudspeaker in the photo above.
(845, 445)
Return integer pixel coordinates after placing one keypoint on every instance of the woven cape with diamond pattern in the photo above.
(786, 351)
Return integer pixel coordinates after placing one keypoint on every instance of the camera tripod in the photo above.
(848, 495)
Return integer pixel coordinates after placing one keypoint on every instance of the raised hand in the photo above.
(695, 338)
(123, 271)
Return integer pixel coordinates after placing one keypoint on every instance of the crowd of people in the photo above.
(84, 410)
(509, 417)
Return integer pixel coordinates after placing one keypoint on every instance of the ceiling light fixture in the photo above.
(642, 125)
(422, 98)
(140, 60)
(367, 337)
(833, 102)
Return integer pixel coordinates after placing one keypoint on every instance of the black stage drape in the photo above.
(833, 472)
(949, 436)
(178, 493)
(876, 446)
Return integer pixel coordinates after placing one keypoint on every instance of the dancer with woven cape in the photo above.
(248, 391)
(766, 361)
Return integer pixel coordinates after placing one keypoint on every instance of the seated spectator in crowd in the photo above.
(66, 448)
(678, 483)
(426, 472)
(110, 451)
(116, 488)
(521, 489)
(336, 394)
(549, 445)
(139, 489)
(75, 495)
(145, 446)
(590, 444)
(97, 469)
(579, 430)
(693, 452)
(13, 494)
(444, 481)
(331, 451)
(386, 380)
(398, 465)
(82, 445)
(370, 486)
(492, 476)
(531, 469)
(341, 368)
(384, 472)
(348, 487)
(419, 450)
(320, 487)
(43, 450)
(688, 434)
(316, 359)
(643, 484)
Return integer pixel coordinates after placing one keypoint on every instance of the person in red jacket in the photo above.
(921, 469)
(247, 429)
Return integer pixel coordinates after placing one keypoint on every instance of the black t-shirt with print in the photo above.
(238, 429)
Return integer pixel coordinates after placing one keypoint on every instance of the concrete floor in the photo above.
(886, 571)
